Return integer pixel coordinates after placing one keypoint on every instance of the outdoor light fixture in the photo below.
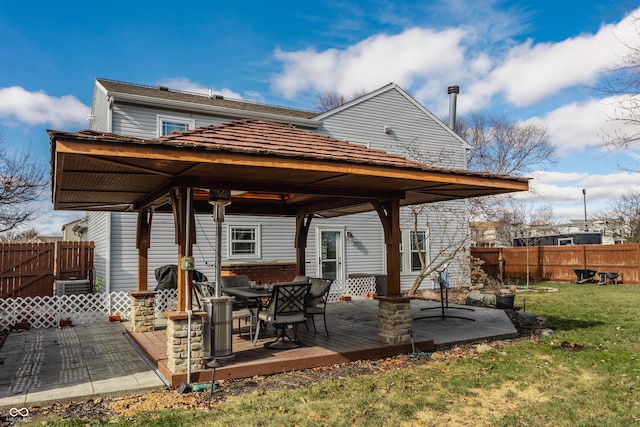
(219, 199)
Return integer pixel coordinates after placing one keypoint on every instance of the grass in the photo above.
(586, 373)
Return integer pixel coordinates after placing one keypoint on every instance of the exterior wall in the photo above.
(98, 232)
(412, 133)
(142, 122)
(100, 111)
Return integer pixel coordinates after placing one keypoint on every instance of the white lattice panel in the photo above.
(46, 312)
(356, 287)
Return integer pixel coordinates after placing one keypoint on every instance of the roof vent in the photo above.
(164, 88)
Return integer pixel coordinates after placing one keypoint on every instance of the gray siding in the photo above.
(142, 122)
(413, 134)
(277, 239)
(97, 232)
(100, 111)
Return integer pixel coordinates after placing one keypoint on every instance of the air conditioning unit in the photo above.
(73, 286)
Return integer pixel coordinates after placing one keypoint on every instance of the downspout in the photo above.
(453, 92)
(110, 114)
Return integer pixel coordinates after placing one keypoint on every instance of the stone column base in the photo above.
(178, 341)
(143, 307)
(394, 320)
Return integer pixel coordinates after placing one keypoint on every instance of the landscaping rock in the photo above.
(480, 300)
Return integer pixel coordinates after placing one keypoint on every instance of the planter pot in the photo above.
(65, 322)
(114, 318)
(345, 298)
(371, 295)
(504, 301)
(22, 325)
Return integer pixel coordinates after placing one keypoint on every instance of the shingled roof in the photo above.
(279, 169)
(214, 100)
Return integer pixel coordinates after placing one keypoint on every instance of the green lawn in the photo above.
(586, 373)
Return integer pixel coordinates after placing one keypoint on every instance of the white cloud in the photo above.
(371, 63)
(531, 72)
(563, 191)
(38, 108)
(425, 62)
(582, 125)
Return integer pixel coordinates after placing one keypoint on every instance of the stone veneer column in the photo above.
(177, 341)
(143, 307)
(394, 320)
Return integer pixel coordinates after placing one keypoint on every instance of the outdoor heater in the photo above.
(219, 321)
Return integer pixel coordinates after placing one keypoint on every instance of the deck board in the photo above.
(353, 335)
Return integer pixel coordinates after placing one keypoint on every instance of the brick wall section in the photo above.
(178, 343)
(142, 311)
(265, 273)
(394, 320)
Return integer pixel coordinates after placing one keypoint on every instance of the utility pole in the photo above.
(584, 198)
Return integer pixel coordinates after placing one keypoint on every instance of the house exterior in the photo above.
(388, 119)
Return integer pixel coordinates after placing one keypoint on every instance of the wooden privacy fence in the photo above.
(29, 269)
(557, 263)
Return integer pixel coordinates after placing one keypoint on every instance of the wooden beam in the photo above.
(303, 222)
(389, 213)
(143, 242)
(280, 187)
(152, 151)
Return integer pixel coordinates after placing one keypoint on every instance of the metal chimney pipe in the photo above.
(453, 92)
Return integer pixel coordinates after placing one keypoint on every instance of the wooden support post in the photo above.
(143, 242)
(302, 232)
(389, 213)
(183, 216)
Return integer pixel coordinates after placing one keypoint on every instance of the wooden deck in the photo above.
(353, 335)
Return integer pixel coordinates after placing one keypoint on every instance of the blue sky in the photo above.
(536, 60)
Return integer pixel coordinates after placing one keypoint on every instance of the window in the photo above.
(565, 241)
(244, 241)
(168, 125)
(418, 246)
(410, 250)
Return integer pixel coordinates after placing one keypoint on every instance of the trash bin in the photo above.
(381, 281)
(218, 327)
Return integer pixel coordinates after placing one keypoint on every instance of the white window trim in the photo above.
(160, 118)
(405, 251)
(258, 252)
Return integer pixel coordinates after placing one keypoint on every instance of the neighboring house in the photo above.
(387, 119)
(74, 230)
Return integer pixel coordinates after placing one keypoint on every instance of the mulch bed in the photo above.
(114, 407)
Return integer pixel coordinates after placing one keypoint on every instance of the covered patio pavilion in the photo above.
(264, 169)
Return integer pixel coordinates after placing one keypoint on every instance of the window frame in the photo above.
(406, 251)
(256, 241)
(161, 119)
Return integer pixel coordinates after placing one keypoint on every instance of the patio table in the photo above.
(246, 293)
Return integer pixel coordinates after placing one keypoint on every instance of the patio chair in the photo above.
(443, 282)
(316, 301)
(286, 309)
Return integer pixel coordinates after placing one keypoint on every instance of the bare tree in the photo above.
(329, 100)
(26, 236)
(622, 82)
(451, 239)
(622, 218)
(502, 146)
(22, 182)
